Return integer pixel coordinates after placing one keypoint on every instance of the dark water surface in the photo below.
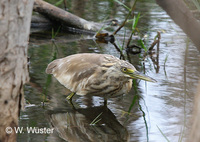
(162, 107)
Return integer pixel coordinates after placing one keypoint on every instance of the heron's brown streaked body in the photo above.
(95, 74)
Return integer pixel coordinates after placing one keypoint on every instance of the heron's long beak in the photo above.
(138, 75)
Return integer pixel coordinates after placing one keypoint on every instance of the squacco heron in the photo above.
(95, 74)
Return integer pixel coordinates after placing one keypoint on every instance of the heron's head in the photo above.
(129, 71)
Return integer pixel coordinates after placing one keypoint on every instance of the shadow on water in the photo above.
(150, 112)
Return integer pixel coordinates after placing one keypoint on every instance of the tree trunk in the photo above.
(15, 17)
(195, 129)
(183, 17)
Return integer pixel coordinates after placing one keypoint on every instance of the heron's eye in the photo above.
(124, 69)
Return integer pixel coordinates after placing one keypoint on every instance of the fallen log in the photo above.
(67, 19)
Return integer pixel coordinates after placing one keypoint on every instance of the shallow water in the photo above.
(162, 107)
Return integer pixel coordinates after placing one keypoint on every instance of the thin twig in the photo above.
(121, 54)
(129, 40)
(158, 36)
(152, 45)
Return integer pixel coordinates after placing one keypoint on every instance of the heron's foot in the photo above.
(69, 97)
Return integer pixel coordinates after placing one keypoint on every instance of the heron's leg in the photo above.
(105, 101)
(69, 97)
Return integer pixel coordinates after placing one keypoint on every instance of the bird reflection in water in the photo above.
(78, 125)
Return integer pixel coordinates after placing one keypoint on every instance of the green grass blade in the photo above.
(135, 98)
(48, 79)
(133, 25)
(163, 134)
(180, 139)
(142, 45)
(52, 33)
(95, 121)
(57, 31)
(135, 21)
(119, 45)
(197, 4)
(120, 3)
(103, 26)
(166, 59)
(133, 102)
(165, 64)
(145, 122)
(59, 2)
